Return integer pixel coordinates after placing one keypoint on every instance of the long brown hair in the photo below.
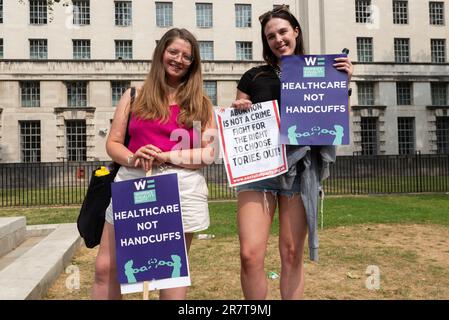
(281, 12)
(152, 102)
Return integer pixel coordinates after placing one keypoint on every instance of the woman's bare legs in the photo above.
(292, 235)
(254, 217)
(106, 285)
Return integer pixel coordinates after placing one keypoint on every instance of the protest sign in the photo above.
(149, 235)
(314, 101)
(249, 141)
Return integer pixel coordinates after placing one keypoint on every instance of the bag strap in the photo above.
(127, 136)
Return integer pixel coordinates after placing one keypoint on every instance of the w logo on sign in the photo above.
(315, 67)
(310, 61)
(314, 61)
(148, 194)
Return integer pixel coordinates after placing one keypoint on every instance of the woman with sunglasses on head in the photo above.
(257, 201)
(164, 110)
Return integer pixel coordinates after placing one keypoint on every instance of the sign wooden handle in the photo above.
(149, 172)
(145, 290)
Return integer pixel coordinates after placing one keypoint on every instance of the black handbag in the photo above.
(91, 218)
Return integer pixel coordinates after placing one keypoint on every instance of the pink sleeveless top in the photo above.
(143, 132)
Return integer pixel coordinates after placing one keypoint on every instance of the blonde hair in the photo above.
(152, 101)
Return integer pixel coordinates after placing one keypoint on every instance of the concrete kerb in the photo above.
(30, 276)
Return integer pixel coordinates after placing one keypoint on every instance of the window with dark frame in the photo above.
(370, 135)
(81, 49)
(402, 50)
(400, 12)
(123, 13)
(1, 48)
(118, 88)
(30, 141)
(204, 15)
(438, 50)
(243, 15)
(210, 88)
(365, 49)
(81, 12)
(436, 13)
(164, 14)
(38, 49)
(206, 50)
(30, 94)
(124, 49)
(404, 93)
(77, 94)
(439, 92)
(365, 94)
(38, 11)
(442, 135)
(363, 11)
(76, 140)
(244, 50)
(1, 11)
(406, 135)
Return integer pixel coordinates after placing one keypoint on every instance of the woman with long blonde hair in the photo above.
(164, 137)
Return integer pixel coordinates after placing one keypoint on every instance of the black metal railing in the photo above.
(65, 183)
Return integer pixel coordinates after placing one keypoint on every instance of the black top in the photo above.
(261, 84)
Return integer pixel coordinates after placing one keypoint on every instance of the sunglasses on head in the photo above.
(281, 8)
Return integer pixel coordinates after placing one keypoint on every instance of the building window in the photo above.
(438, 50)
(442, 125)
(124, 49)
(164, 14)
(77, 94)
(365, 93)
(404, 93)
(118, 88)
(1, 11)
(406, 135)
(30, 93)
(123, 13)
(210, 87)
(363, 12)
(76, 140)
(370, 135)
(204, 15)
(244, 50)
(365, 49)
(243, 15)
(81, 12)
(439, 93)
(30, 141)
(38, 49)
(400, 12)
(1, 48)
(38, 11)
(436, 13)
(401, 50)
(206, 50)
(81, 49)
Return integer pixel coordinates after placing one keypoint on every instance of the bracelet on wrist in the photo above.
(129, 160)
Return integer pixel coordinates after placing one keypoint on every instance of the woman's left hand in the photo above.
(160, 157)
(344, 64)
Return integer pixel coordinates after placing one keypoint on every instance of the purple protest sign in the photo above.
(314, 101)
(149, 235)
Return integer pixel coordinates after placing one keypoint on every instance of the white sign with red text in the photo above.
(250, 142)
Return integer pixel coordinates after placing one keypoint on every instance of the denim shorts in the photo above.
(272, 185)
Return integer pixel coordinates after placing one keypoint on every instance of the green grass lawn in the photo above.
(338, 211)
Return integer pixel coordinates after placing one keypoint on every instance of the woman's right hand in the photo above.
(242, 104)
(143, 158)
